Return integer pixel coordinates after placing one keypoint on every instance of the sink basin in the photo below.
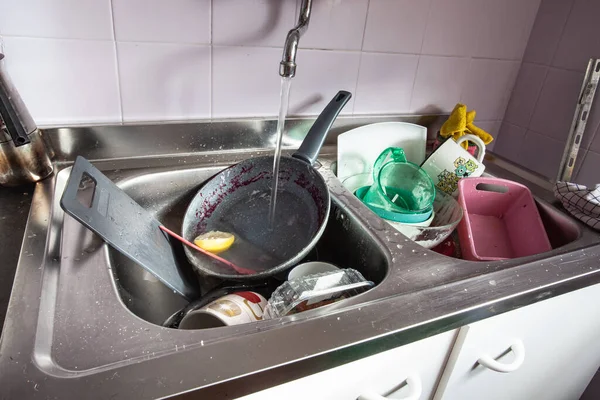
(83, 318)
(346, 242)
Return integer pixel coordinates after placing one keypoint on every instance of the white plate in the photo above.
(358, 148)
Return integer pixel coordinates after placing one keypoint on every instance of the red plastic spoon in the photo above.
(240, 270)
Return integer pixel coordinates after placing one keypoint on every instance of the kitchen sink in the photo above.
(94, 279)
(167, 193)
(84, 318)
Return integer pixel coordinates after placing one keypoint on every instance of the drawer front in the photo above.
(549, 350)
(382, 374)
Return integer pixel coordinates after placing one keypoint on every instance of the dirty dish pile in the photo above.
(232, 309)
(359, 148)
(315, 290)
(401, 190)
(428, 218)
(447, 214)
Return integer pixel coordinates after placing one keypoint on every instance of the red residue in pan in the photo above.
(212, 200)
(225, 188)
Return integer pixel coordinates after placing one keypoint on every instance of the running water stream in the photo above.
(283, 109)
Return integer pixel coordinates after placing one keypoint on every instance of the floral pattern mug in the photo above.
(449, 163)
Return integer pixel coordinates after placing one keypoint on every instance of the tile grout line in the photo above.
(414, 83)
(412, 90)
(553, 67)
(280, 47)
(117, 68)
(562, 31)
(426, 26)
(360, 57)
(463, 88)
(211, 63)
(510, 93)
(594, 133)
(537, 98)
(577, 168)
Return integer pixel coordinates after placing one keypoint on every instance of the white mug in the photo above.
(450, 162)
(232, 309)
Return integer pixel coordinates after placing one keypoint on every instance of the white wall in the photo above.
(103, 61)
(565, 36)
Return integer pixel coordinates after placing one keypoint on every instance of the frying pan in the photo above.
(237, 201)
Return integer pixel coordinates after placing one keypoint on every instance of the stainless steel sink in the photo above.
(167, 192)
(84, 318)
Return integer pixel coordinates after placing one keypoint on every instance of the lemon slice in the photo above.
(214, 241)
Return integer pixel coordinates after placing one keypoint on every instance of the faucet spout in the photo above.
(287, 67)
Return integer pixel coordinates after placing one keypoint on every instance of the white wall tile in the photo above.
(525, 94)
(555, 107)
(479, 28)
(320, 75)
(502, 32)
(545, 35)
(488, 87)
(252, 22)
(451, 27)
(438, 84)
(491, 127)
(176, 21)
(248, 35)
(509, 141)
(385, 83)
(580, 40)
(68, 19)
(588, 174)
(594, 139)
(336, 25)
(255, 92)
(77, 82)
(164, 81)
(541, 154)
(592, 126)
(396, 25)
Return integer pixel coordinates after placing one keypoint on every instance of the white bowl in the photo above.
(447, 215)
(310, 268)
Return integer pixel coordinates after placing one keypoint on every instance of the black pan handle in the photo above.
(312, 143)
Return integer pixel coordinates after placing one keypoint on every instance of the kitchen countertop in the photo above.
(14, 209)
(120, 355)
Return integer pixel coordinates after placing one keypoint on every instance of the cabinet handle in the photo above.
(414, 386)
(518, 348)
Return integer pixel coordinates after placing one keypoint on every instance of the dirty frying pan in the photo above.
(237, 201)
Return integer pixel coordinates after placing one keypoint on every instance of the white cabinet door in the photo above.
(382, 374)
(549, 350)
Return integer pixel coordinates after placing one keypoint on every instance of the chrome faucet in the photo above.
(24, 154)
(287, 67)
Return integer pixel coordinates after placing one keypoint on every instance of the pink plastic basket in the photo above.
(501, 220)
